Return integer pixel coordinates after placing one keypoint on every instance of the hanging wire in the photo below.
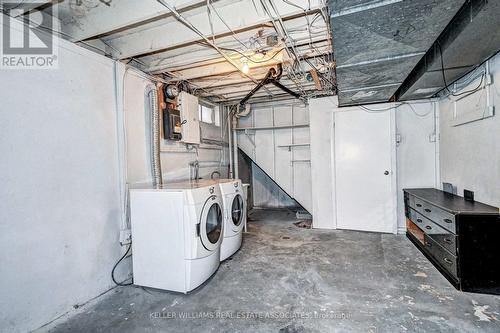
(233, 34)
(479, 86)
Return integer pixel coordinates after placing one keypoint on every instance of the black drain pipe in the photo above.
(272, 77)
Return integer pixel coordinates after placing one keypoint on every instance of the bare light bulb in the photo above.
(245, 69)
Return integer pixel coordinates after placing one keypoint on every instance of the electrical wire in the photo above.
(184, 21)
(284, 36)
(16, 6)
(209, 4)
(311, 43)
(444, 77)
(395, 107)
(415, 111)
(376, 110)
(249, 57)
(210, 21)
(306, 16)
(195, 86)
(121, 284)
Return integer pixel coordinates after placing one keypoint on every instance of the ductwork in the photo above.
(471, 38)
(153, 114)
(377, 43)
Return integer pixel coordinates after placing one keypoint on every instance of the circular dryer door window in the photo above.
(211, 224)
(237, 210)
(214, 223)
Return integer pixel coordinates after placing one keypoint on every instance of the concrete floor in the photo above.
(354, 281)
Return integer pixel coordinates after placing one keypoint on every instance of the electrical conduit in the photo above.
(154, 134)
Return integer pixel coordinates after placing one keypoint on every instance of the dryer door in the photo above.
(211, 224)
(238, 212)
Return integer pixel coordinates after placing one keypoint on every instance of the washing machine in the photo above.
(234, 211)
(176, 234)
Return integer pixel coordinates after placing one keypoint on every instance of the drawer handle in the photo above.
(448, 221)
(448, 240)
(448, 261)
(427, 210)
(419, 205)
(428, 244)
(419, 220)
(428, 227)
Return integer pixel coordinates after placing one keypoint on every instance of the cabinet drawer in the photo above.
(447, 261)
(411, 201)
(415, 231)
(443, 237)
(415, 218)
(437, 215)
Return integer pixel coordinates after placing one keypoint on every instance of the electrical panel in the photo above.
(190, 122)
(172, 128)
(170, 115)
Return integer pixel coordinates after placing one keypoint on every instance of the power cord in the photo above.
(396, 107)
(121, 284)
(446, 83)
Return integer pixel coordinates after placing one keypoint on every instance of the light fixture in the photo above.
(245, 69)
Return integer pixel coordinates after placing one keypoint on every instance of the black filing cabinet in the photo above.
(461, 238)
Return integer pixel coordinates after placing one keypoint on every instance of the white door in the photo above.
(364, 148)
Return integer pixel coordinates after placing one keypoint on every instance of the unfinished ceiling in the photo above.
(382, 50)
(377, 43)
(210, 44)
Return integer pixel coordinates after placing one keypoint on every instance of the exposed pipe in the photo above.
(181, 18)
(285, 37)
(229, 139)
(285, 32)
(154, 134)
(244, 113)
(273, 77)
(196, 166)
(235, 148)
(259, 85)
(285, 89)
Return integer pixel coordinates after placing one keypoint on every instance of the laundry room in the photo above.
(280, 166)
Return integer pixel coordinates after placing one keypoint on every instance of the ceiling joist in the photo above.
(83, 22)
(207, 43)
(157, 38)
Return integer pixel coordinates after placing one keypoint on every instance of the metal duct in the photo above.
(472, 37)
(154, 134)
(377, 43)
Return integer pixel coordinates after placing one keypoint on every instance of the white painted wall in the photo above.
(470, 153)
(417, 160)
(322, 124)
(59, 199)
(289, 168)
(415, 155)
(63, 176)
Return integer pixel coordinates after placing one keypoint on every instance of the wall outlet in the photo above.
(398, 139)
(125, 237)
(432, 137)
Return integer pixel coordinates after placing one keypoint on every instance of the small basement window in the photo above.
(209, 114)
